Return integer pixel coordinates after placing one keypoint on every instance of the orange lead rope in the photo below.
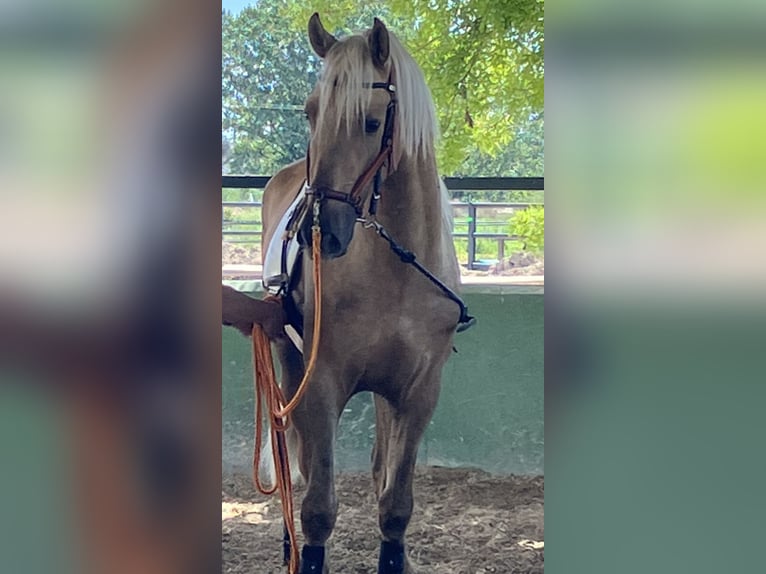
(278, 409)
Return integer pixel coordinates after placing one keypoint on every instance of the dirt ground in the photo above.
(465, 522)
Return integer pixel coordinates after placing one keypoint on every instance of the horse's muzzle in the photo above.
(336, 220)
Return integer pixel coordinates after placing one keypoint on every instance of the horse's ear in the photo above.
(378, 41)
(321, 39)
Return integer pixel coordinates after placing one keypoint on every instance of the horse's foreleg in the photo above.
(316, 420)
(319, 508)
(407, 423)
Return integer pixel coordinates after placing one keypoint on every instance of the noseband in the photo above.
(354, 197)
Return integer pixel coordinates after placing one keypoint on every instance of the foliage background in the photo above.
(483, 61)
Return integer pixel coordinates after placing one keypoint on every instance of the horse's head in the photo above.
(351, 114)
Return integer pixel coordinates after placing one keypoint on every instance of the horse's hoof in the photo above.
(392, 559)
(312, 560)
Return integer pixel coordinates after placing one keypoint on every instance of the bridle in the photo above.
(354, 197)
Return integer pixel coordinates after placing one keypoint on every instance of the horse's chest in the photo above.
(395, 348)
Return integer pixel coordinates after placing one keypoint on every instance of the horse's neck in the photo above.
(410, 208)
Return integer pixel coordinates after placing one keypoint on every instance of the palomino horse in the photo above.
(386, 328)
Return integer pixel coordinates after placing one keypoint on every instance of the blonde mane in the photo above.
(344, 93)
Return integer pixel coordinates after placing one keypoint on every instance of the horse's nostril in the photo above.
(331, 246)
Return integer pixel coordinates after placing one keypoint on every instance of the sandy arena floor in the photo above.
(465, 522)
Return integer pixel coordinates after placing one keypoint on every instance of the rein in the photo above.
(465, 321)
(278, 408)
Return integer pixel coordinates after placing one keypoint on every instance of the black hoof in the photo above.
(391, 559)
(312, 559)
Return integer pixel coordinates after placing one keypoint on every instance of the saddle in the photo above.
(280, 260)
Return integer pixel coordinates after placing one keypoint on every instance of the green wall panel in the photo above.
(490, 412)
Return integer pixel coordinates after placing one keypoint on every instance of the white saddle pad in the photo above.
(272, 260)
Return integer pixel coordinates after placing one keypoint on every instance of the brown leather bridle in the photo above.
(354, 197)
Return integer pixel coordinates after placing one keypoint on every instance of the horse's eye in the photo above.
(371, 125)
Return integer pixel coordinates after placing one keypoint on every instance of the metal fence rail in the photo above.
(453, 184)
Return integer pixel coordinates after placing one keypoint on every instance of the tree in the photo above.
(522, 157)
(483, 60)
(268, 71)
